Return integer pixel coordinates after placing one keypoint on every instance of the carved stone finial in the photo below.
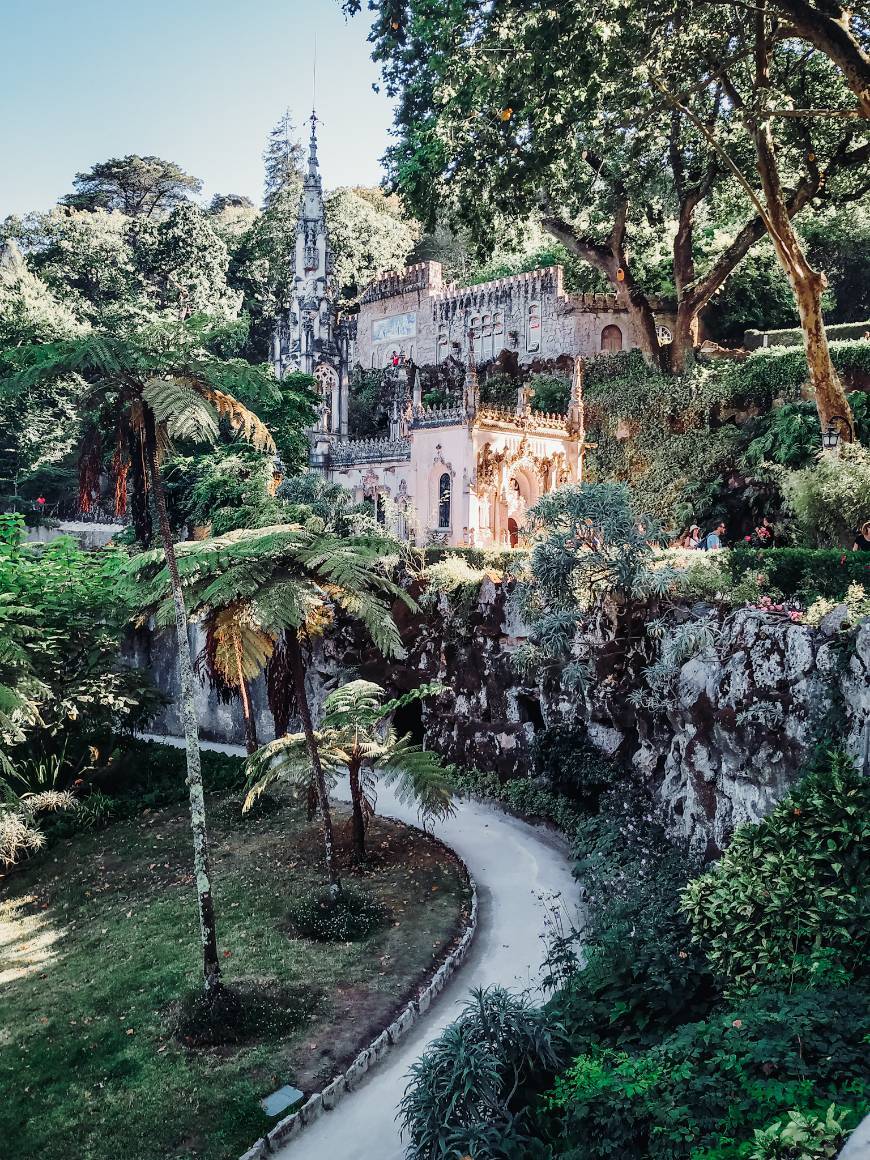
(471, 392)
(575, 407)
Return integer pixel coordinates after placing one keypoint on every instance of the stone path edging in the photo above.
(325, 1101)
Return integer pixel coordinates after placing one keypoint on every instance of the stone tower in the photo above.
(310, 337)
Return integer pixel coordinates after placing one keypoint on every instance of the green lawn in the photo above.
(98, 939)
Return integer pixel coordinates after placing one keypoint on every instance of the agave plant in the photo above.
(283, 583)
(355, 736)
(151, 388)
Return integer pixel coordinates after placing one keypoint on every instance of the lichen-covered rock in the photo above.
(736, 725)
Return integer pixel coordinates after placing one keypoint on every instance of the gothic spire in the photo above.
(313, 178)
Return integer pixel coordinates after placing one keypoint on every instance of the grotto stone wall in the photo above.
(731, 732)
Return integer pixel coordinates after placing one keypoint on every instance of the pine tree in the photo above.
(284, 159)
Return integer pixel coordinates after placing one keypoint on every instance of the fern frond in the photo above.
(181, 410)
(242, 420)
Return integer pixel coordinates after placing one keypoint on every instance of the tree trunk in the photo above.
(359, 822)
(297, 668)
(682, 351)
(807, 284)
(610, 259)
(201, 858)
(251, 743)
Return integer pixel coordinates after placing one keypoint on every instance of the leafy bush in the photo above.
(800, 572)
(855, 606)
(641, 973)
(248, 1010)
(801, 1137)
(700, 1091)
(148, 774)
(564, 755)
(349, 917)
(455, 578)
(788, 903)
(523, 796)
(498, 559)
(465, 1089)
(832, 498)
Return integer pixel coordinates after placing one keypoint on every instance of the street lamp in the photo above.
(831, 435)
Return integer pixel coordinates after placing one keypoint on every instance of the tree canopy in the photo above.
(136, 186)
(510, 109)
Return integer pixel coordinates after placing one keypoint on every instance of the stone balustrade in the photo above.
(369, 451)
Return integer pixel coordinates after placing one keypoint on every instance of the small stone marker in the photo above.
(280, 1100)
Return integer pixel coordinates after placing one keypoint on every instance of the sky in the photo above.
(198, 82)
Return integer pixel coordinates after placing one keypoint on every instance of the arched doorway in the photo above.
(611, 339)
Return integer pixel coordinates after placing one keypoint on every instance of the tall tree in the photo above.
(137, 186)
(792, 105)
(367, 238)
(284, 581)
(284, 161)
(160, 385)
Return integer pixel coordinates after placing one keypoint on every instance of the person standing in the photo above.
(862, 538)
(713, 540)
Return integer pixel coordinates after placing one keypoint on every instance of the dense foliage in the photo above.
(663, 1065)
(702, 1090)
(459, 1099)
(65, 693)
(788, 903)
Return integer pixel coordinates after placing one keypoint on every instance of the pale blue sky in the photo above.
(200, 82)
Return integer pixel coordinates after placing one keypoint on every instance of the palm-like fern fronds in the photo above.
(353, 734)
(241, 647)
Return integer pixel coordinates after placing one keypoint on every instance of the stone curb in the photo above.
(328, 1099)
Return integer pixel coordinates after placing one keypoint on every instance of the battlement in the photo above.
(420, 276)
(428, 277)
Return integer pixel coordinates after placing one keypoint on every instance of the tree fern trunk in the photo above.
(201, 859)
(251, 743)
(359, 823)
(297, 668)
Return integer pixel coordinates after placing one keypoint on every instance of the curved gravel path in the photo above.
(522, 872)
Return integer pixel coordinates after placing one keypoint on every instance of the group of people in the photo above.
(695, 540)
(762, 537)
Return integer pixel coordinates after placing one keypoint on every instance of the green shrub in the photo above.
(800, 572)
(500, 560)
(465, 1090)
(523, 796)
(350, 917)
(707, 1084)
(564, 755)
(831, 498)
(152, 775)
(788, 903)
(641, 974)
(801, 1136)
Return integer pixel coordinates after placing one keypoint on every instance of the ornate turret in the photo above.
(471, 390)
(307, 335)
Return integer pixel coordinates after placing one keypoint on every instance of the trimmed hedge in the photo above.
(802, 572)
(499, 559)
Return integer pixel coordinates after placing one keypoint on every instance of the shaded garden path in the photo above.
(522, 872)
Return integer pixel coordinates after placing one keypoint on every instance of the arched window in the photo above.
(497, 332)
(533, 331)
(474, 335)
(611, 339)
(486, 337)
(380, 508)
(444, 501)
(441, 344)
